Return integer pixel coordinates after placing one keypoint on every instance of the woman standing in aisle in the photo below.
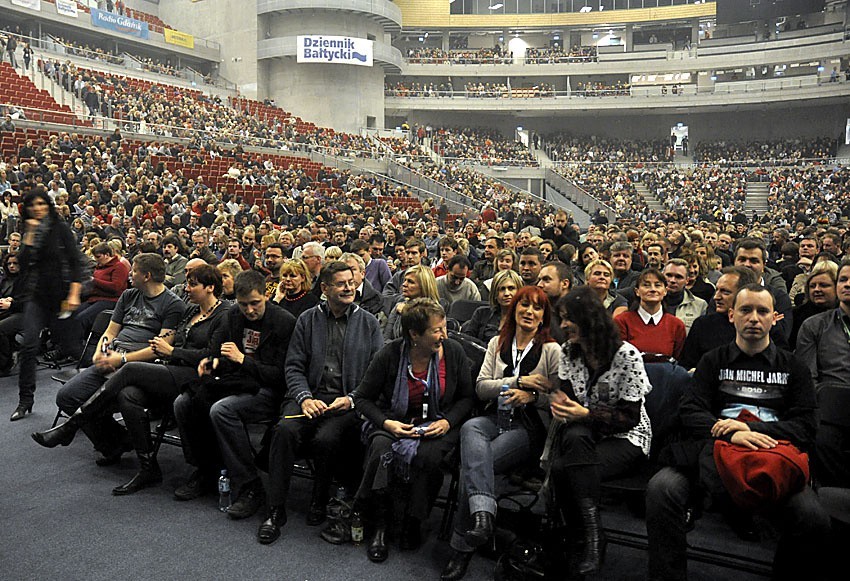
(52, 266)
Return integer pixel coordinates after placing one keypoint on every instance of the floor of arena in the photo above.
(61, 521)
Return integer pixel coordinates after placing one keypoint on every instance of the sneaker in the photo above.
(251, 498)
(195, 487)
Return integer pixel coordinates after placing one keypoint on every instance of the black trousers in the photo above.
(143, 386)
(832, 457)
(327, 440)
(426, 475)
(585, 459)
(803, 523)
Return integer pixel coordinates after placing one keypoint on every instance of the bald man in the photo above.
(180, 289)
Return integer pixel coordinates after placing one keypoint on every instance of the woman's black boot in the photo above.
(64, 434)
(378, 551)
(594, 538)
(61, 435)
(149, 474)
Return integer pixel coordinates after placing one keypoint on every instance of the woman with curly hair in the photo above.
(600, 428)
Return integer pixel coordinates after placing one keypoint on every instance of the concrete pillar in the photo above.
(695, 32)
(445, 41)
(629, 37)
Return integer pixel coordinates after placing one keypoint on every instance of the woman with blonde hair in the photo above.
(332, 253)
(821, 295)
(229, 270)
(418, 282)
(293, 292)
(506, 259)
(599, 275)
(117, 246)
(487, 320)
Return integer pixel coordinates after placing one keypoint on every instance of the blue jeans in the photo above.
(484, 452)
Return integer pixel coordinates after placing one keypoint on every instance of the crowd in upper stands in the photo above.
(497, 55)
(773, 152)
(471, 89)
(482, 144)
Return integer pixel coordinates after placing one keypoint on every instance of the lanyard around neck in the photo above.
(517, 357)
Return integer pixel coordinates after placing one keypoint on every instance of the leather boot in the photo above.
(482, 529)
(148, 475)
(64, 434)
(455, 569)
(594, 538)
(378, 551)
(318, 504)
(61, 435)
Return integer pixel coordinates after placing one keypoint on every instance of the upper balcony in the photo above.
(723, 97)
(822, 43)
(387, 14)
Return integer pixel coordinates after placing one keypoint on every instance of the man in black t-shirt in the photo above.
(141, 313)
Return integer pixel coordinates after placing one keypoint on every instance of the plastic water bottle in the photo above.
(223, 492)
(506, 412)
(356, 528)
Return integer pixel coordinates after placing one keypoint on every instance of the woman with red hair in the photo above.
(524, 358)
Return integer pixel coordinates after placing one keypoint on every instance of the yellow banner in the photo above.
(179, 38)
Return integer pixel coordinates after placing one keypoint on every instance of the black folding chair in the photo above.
(101, 322)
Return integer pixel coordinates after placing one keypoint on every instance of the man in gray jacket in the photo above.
(328, 355)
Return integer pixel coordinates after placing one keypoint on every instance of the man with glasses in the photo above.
(202, 249)
(330, 350)
(313, 255)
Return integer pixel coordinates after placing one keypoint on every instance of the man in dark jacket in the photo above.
(365, 296)
(748, 377)
(246, 386)
(330, 350)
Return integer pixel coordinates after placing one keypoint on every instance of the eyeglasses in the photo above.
(344, 284)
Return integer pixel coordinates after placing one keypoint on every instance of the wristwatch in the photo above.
(123, 359)
(351, 399)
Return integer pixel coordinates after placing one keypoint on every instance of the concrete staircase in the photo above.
(541, 157)
(59, 94)
(680, 159)
(652, 200)
(756, 200)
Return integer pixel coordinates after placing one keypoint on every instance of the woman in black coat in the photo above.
(415, 395)
(51, 265)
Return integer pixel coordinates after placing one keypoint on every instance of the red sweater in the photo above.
(109, 281)
(667, 337)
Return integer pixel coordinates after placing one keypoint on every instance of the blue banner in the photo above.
(118, 23)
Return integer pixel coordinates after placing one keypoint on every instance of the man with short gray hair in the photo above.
(365, 294)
